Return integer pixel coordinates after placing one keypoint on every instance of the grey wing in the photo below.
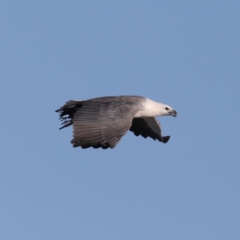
(101, 124)
(148, 127)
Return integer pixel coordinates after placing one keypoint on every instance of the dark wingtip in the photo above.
(165, 139)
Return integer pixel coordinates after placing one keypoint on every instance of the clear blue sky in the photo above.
(182, 53)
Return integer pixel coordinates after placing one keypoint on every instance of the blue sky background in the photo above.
(182, 53)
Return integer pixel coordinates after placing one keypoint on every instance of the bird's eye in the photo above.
(166, 108)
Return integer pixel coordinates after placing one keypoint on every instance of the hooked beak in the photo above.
(173, 113)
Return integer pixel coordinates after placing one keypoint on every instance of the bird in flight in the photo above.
(101, 122)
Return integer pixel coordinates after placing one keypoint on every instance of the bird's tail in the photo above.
(67, 111)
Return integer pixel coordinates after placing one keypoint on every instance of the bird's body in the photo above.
(101, 122)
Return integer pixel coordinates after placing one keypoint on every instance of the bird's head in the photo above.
(167, 110)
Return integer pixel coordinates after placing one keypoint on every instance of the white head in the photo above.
(153, 109)
(165, 110)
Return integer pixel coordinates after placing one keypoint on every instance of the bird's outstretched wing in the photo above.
(101, 123)
(148, 127)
